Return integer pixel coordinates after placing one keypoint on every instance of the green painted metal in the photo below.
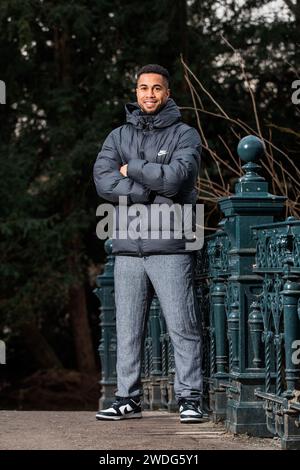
(255, 322)
(278, 262)
(211, 274)
(235, 349)
(250, 148)
(108, 342)
(248, 288)
(158, 363)
(250, 204)
(155, 381)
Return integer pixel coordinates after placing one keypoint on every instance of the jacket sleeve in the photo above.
(109, 182)
(183, 168)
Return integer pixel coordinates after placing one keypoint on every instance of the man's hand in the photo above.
(123, 170)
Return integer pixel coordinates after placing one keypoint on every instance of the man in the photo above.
(153, 159)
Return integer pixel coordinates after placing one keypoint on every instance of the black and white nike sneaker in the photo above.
(122, 408)
(190, 411)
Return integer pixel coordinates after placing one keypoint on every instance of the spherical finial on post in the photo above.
(108, 246)
(250, 148)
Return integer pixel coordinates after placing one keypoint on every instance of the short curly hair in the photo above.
(154, 68)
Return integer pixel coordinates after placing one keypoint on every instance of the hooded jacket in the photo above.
(163, 157)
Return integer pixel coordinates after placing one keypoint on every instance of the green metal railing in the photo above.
(278, 314)
(247, 285)
(108, 343)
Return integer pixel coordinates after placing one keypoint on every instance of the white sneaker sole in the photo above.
(118, 418)
(193, 420)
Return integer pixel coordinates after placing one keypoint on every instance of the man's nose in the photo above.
(150, 93)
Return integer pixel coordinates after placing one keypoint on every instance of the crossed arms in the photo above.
(143, 177)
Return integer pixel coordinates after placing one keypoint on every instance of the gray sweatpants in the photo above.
(172, 278)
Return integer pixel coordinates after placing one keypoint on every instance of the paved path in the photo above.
(158, 430)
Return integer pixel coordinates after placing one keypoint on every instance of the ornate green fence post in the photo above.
(218, 393)
(251, 204)
(218, 248)
(172, 403)
(291, 296)
(203, 296)
(108, 342)
(256, 327)
(290, 438)
(164, 341)
(158, 365)
(291, 309)
(155, 372)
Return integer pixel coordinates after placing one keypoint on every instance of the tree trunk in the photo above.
(77, 298)
(81, 330)
(43, 354)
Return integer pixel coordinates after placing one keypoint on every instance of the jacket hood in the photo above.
(167, 116)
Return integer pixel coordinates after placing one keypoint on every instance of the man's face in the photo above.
(152, 92)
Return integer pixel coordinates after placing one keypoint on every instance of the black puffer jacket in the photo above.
(163, 157)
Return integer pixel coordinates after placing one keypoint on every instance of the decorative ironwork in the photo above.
(247, 281)
(277, 259)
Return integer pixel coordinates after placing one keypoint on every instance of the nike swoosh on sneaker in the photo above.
(126, 409)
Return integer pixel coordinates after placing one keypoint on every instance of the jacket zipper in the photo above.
(142, 156)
